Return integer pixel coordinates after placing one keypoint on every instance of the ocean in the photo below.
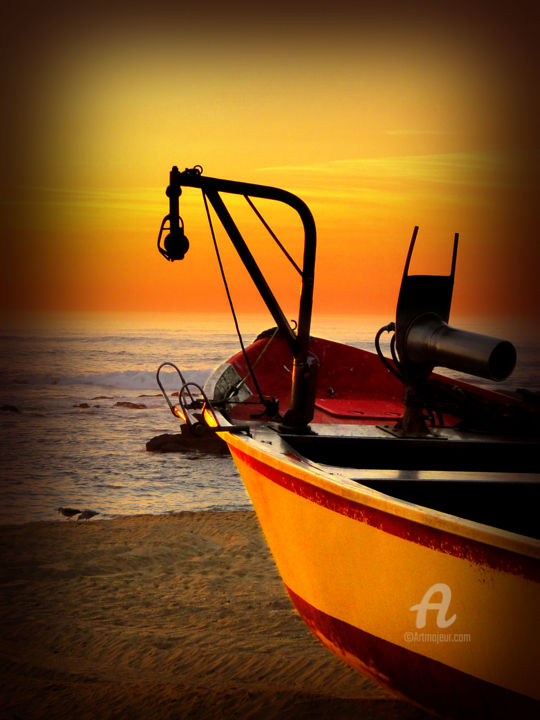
(67, 442)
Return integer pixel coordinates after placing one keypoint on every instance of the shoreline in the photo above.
(181, 615)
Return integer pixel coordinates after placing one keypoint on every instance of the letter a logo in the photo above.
(441, 607)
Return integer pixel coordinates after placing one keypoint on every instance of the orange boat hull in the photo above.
(439, 610)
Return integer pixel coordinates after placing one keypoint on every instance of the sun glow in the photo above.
(377, 124)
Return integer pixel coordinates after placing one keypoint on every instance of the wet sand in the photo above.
(177, 616)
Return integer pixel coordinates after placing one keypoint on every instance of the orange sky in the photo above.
(379, 119)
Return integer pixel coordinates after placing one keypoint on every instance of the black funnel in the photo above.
(429, 341)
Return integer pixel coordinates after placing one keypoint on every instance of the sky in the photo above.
(379, 118)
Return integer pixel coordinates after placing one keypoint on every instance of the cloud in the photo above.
(485, 169)
(139, 199)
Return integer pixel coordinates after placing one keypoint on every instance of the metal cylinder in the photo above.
(429, 341)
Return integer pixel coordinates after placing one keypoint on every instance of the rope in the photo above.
(394, 355)
(231, 304)
(387, 328)
(267, 226)
(235, 388)
(434, 414)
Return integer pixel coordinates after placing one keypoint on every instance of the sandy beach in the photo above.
(174, 616)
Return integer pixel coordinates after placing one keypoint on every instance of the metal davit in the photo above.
(175, 245)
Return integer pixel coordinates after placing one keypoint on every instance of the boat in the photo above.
(400, 505)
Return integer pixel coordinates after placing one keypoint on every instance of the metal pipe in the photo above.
(173, 193)
(429, 341)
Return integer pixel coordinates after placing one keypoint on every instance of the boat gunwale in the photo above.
(288, 461)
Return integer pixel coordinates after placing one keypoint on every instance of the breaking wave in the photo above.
(119, 379)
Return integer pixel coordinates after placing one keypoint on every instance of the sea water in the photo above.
(65, 440)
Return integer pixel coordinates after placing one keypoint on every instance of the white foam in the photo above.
(119, 379)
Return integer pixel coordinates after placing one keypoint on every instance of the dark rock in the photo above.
(82, 405)
(9, 408)
(133, 406)
(187, 442)
(103, 397)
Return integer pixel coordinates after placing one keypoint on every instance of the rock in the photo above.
(185, 442)
(9, 408)
(133, 406)
(82, 405)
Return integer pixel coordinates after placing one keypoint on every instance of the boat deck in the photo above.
(377, 447)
